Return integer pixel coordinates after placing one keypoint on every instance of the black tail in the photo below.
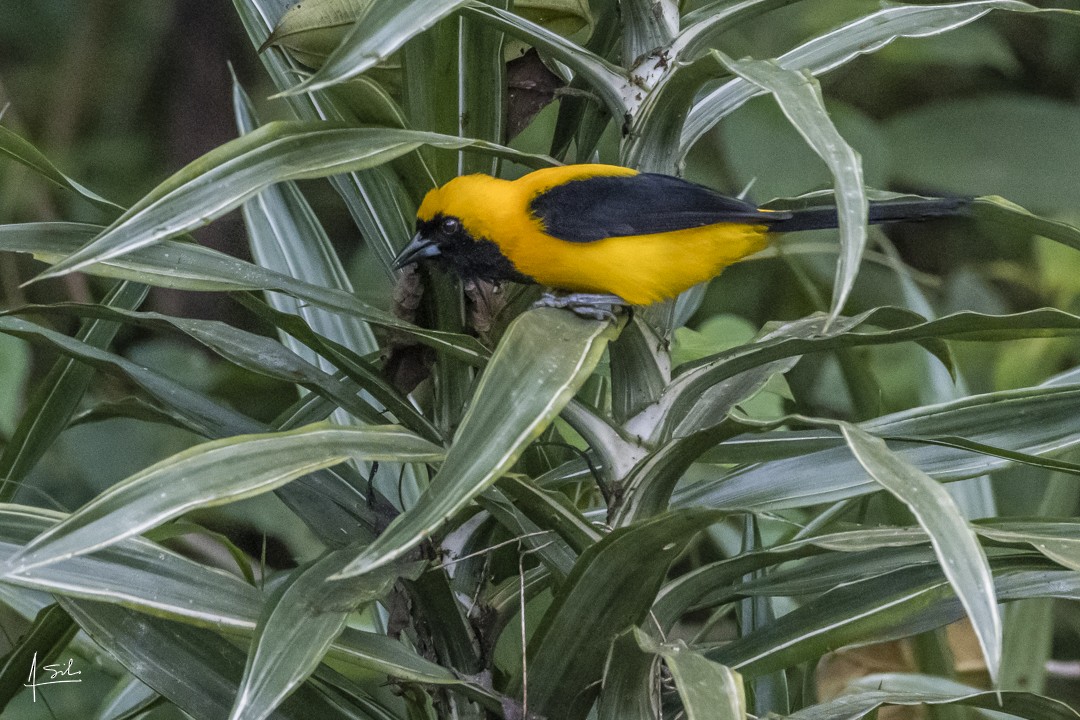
(881, 211)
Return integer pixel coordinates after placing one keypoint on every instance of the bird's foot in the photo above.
(595, 306)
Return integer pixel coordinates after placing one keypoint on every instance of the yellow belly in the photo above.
(641, 269)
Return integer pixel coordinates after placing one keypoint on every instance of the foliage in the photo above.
(497, 511)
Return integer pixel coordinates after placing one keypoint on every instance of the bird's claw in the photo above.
(594, 306)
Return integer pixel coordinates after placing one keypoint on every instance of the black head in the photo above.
(445, 239)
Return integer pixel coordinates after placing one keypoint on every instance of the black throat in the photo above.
(469, 257)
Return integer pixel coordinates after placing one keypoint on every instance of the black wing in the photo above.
(613, 206)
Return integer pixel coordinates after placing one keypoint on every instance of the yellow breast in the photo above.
(641, 269)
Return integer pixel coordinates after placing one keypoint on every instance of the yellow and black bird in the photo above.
(609, 235)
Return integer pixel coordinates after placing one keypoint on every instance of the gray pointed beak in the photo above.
(418, 249)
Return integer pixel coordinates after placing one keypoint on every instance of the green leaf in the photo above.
(435, 602)
(186, 529)
(874, 691)
(565, 17)
(16, 365)
(551, 549)
(627, 689)
(382, 654)
(210, 474)
(608, 81)
(1059, 541)
(330, 504)
(51, 241)
(865, 35)
(686, 400)
(185, 266)
(231, 173)
(897, 604)
(564, 663)
(481, 89)
(1028, 644)
(708, 690)
(998, 210)
(376, 199)
(640, 369)
(702, 26)
(194, 668)
(957, 549)
(275, 219)
(50, 633)
(213, 419)
(799, 96)
(700, 397)
(312, 30)
(889, 606)
(135, 573)
(843, 558)
(714, 583)
(58, 394)
(257, 353)
(646, 489)
(579, 118)
(380, 30)
(552, 510)
(344, 360)
(26, 154)
(1030, 420)
(557, 351)
(298, 628)
(659, 118)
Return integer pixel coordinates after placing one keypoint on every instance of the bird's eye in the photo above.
(450, 226)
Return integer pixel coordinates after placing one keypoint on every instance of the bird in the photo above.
(601, 236)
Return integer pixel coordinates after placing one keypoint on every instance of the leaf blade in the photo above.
(557, 351)
(954, 542)
(203, 477)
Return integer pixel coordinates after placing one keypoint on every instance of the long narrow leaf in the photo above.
(213, 419)
(954, 542)
(885, 607)
(1034, 421)
(382, 654)
(194, 668)
(865, 35)
(185, 266)
(58, 394)
(557, 351)
(874, 691)
(298, 629)
(135, 573)
(608, 81)
(377, 34)
(598, 601)
(707, 689)
(276, 219)
(376, 198)
(799, 97)
(212, 474)
(231, 173)
(684, 396)
(26, 154)
(253, 352)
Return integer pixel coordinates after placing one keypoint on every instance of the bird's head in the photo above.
(457, 225)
